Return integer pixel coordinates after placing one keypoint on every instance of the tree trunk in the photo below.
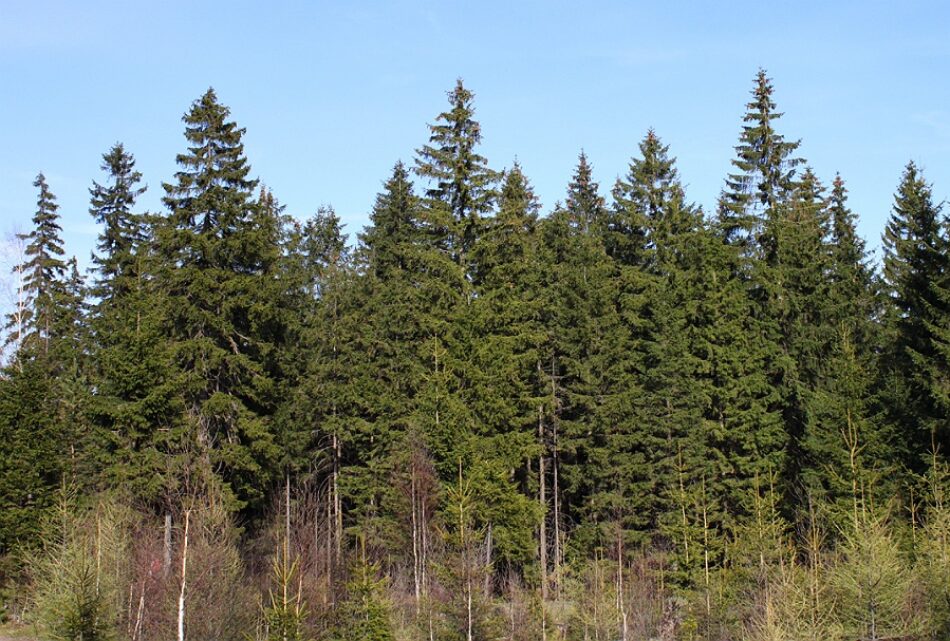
(184, 569)
(167, 548)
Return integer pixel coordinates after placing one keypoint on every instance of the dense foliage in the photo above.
(622, 419)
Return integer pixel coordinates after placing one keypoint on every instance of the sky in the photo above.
(333, 94)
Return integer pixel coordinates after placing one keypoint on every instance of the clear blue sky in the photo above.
(332, 94)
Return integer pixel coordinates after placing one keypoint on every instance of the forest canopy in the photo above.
(623, 418)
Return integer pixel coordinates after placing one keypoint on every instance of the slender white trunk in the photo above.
(488, 573)
(543, 540)
(167, 549)
(415, 538)
(621, 597)
(184, 569)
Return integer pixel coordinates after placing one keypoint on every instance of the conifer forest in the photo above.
(615, 418)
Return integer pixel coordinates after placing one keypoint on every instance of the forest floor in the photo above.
(11, 632)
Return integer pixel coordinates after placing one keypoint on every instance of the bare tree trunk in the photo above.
(706, 552)
(542, 501)
(557, 519)
(621, 596)
(329, 545)
(415, 536)
(184, 568)
(488, 573)
(543, 539)
(598, 590)
(167, 557)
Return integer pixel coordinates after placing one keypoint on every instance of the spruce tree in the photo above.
(42, 393)
(844, 448)
(460, 180)
(915, 269)
(365, 614)
(123, 230)
(134, 403)
(505, 388)
(414, 293)
(765, 170)
(35, 324)
(220, 254)
(657, 234)
(591, 384)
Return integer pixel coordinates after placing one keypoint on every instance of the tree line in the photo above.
(621, 418)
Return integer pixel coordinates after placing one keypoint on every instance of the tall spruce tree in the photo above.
(588, 370)
(656, 234)
(124, 231)
(844, 448)
(41, 392)
(414, 293)
(134, 402)
(459, 178)
(504, 322)
(915, 270)
(220, 254)
(765, 170)
(34, 324)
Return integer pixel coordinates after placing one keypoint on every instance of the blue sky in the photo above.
(332, 94)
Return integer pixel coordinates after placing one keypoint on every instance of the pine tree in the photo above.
(220, 255)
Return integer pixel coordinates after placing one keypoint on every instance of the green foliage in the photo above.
(365, 613)
(765, 170)
(912, 365)
(460, 180)
(872, 582)
(505, 387)
(219, 254)
(78, 572)
(124, 232)
(725, 405)
(286, 615)
(467, 612)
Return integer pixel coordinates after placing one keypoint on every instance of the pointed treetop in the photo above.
(394, 224)
(914, 246)
(585, 206)
(652, 181)
(844, 234)
(111, 205)
(43, 274)
(45, 244)
(459, 178)
(765, 167)
(212, 193)
(517, 200)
